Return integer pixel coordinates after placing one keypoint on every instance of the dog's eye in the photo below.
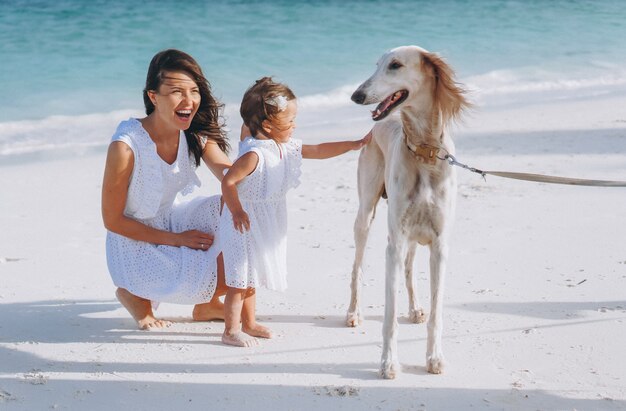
(394, 65)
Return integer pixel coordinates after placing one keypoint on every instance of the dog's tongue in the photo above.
(382, 107)
(385, 104)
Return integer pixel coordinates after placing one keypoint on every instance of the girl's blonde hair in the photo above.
(258, 103)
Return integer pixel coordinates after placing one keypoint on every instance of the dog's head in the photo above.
(407, 75)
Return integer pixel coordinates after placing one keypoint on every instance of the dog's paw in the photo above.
(389, 370)
(435, 364)
(354, 319)
(417, 316)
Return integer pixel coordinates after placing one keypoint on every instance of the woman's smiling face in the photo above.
(177, 99)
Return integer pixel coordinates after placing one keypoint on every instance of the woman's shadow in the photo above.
(66, 322)
(73, 321)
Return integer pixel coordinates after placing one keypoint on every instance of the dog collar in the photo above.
(425, 152)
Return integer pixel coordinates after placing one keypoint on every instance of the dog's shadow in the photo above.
(549, 310)
(325, 321)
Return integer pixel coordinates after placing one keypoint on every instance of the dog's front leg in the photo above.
(370, 182)
(362, 225)
(434, 353)
(389, 366)
(354, 317)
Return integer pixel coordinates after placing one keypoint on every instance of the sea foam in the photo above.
(332, 108)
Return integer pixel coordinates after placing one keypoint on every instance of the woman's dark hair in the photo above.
(207, 122)
(254, 108)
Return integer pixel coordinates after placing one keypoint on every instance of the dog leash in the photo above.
(430, 154)
(534, 177)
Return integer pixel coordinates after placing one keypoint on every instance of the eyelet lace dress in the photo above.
(163, 273)
(258, 257)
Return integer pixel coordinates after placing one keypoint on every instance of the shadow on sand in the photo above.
(139, 385)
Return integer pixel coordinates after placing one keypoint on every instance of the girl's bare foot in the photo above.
(141, 310)
(239, 339)
(258, 330)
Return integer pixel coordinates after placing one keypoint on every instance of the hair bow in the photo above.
(280, 102)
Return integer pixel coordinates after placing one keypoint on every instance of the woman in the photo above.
(158, 251)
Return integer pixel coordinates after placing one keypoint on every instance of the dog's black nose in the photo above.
(358, 97)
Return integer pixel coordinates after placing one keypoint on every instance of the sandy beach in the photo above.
(535, 301)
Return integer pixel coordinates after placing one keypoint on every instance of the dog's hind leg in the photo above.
(416, 313)
(370, 185)
(434, 353)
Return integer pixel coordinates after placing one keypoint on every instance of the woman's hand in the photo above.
(241, 221)
(194, 239)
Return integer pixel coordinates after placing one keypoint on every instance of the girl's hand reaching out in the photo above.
(333, 149)
(365, 140)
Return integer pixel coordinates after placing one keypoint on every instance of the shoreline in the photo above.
(320, 116)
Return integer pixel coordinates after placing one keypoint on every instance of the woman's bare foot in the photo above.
(257, 330)
(141, 310)
(239, 339)
(213, 310)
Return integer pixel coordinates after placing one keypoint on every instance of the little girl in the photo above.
(254, 190)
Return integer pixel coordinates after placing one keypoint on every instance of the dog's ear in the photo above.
(449, 96)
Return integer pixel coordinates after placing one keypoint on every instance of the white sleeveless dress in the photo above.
(258, 257)
(163, 273)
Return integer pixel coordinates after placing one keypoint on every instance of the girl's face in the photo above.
(177, 100)
(282, 125)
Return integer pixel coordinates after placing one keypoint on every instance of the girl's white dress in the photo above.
(163, 273)
(258, 257)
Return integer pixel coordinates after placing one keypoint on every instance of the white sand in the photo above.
(535, 305)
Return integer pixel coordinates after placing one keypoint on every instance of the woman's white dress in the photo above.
(258, 257)
(163, 273)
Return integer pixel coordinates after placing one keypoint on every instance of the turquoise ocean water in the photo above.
(67, 67)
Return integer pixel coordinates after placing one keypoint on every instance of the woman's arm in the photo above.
(117, 173)
(242, 168)
(328, 150)
(215, 159)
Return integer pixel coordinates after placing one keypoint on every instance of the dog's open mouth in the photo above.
(388, 104)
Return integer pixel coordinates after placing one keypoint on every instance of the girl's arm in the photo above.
(117, 173)
(215, 159)
(242, 168)
(328, 150)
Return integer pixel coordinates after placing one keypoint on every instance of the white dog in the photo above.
(405, 161)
